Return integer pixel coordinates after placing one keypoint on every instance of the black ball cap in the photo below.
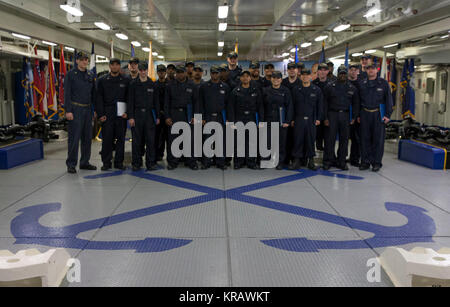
(323, 66)
(300, 65)
(171, 66)
(354, 66)
(82, 56)
(161, 67)
(255, 65)
(233, 55)
(342, 70)
(115, 61)
(143, 66)
(269, 66)
(198, 68)
(306, 72)
(180, 68)
(371, 66)
(190, 63)
(277, 75)
(365, 56)
(330, 63)
(244, 72)
(134, 60)
(215, 69)
(292, 65)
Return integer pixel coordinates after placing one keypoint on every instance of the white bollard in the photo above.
(28, 267)
(420, 267)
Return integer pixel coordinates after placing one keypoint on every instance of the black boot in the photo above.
(297, 164)
(311, 165)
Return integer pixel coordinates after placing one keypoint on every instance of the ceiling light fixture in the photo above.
(219, 54)
(223, 11)
(69, 49)
(357, 54)
(305, 45)
(373, 11)
(223, 26)
(160, 57)
(102, 25)
(122, 36)
(285, 54)
(49, 43)
(371, 51)
(321, 38)
(221, 44)
(342, 27)
(445, 36)
(20, 36)
(153, 53)
(146, 49)
(136, 44)
(391, 45)
(71, 10)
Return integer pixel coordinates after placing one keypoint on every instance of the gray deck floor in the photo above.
(212, 228)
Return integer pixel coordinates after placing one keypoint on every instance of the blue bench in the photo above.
(422, 154)
(21, 152)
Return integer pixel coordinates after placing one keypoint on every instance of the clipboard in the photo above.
(121, 108)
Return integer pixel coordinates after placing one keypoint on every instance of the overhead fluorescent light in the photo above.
(370, 51)
(122, 36)
(49, 43)
(373, 11)
(20, 36)
(146, 49)
(223, 26)
(153, 53)
(71, 10)
(219, 53)
(391, 45)
(102, 26)
(293, 49)
(285, 54)
(445, 36)
(305, 45)
(321, 38)
(223, 11)
(357, 54)
(69, 49)
(341, 28)
(160, 57)
(338, 57)
(221, 44)
(136, 44)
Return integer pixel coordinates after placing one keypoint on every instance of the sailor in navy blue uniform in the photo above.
(268, 71)
(161, 129)
(278, 108)
(322, 81)
(245, 105)
(376, 110)
(180, 106)
(308, 108)
(112, 89)
(341, 100)
(144, 114)
(79, 92)
(213, 98)
(234, 71)
(355, 129)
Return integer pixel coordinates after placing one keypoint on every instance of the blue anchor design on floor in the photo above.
(27, 229)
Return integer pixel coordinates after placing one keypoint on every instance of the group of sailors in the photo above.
(313, 107)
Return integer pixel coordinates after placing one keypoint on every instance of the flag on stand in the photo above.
(296, 54)
(383, 73)
(133, 51)
(322, 54)
(151, 68)
(52, 101)
(62, 75)
(28, 88)
(38, 86)
(392, 79)
(346, 57)
(408, 95)
(92, 62)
